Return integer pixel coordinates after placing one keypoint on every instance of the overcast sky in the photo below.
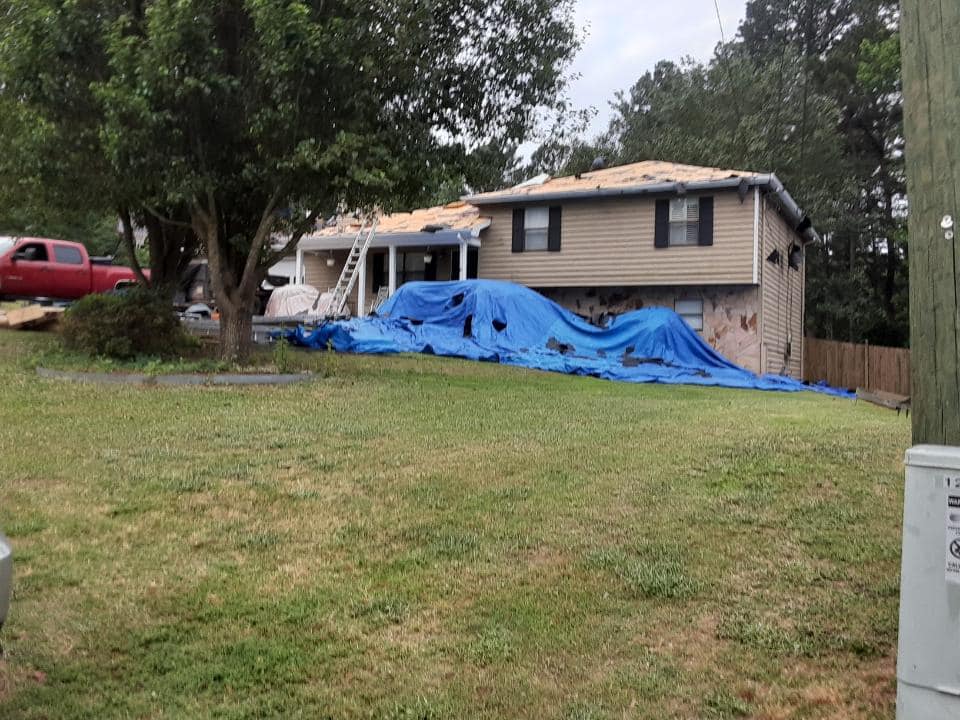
(626, 38)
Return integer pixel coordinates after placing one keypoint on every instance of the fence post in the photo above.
(866, 364)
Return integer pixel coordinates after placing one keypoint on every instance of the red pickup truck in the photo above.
(57, 269)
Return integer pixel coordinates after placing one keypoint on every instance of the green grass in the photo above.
(414, 537)
(202, 359)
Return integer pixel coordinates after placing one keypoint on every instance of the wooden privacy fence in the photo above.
(849, 365)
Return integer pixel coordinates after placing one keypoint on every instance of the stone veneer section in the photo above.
(731, 314)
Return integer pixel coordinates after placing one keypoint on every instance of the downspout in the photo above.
(756, 234)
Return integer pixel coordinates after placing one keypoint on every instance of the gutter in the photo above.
(770, 182)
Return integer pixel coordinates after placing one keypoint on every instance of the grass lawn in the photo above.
(417, 537)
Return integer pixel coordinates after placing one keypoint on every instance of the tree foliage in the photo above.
(242, 120)
(810, 90)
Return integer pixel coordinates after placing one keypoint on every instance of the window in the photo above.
(410, 267)
(684, 221)
(536, 228)
(67, 255)
(691, 311)
(32, 252)
(473, 259)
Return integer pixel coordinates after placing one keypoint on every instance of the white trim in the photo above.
(463, 259)
(756, 235)
(362, 288)
(299, 277)
(392, 270)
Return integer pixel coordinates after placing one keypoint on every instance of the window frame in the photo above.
(691, 228)
(681, 308)
(544, 228)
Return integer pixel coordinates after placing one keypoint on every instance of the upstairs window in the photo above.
(536, 226)
(691, 311)
(685, 221)
(536, 229)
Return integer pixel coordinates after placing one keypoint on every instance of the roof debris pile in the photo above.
(502, 322)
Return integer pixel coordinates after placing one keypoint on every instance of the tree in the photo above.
(850, 53)
(809, 89)
(58, 180)
(254, 117)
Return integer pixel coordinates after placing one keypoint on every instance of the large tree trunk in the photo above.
(236, 332)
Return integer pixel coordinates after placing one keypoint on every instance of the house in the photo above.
(723, 248)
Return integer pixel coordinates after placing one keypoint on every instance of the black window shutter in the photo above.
(553, 229)
(661, 230)
(706, 221)
(518, 222)
(378, 280)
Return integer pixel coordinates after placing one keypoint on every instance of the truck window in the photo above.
(32, 252)
(67, 255)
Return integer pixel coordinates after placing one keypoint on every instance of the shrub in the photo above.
(124, 325)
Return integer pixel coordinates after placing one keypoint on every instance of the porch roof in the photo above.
(449, 224)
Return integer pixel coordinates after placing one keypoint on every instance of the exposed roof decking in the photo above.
(636, 175)
(650, 177)
(448, 225)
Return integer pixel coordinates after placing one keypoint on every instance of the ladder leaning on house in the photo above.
(351, 269)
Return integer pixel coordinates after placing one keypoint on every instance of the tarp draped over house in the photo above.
(511, 324)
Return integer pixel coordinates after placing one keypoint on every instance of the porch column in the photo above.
(362, 288)
(463, 259)
(392, 271)
(298, 273)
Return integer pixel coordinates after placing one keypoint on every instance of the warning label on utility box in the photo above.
(952, 487)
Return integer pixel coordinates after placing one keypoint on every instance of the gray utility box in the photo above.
(928, 660)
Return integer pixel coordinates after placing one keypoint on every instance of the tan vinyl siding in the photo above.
(783, 296)
(609, 242)
(324, 278)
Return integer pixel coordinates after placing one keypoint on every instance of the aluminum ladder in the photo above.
(351, 270)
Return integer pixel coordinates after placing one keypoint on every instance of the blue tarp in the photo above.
(511, 324)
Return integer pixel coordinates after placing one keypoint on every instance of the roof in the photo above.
(448, 224)
(634, 175)
(649, 177)
(457, 215)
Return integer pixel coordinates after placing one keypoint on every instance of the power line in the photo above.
(716, 4)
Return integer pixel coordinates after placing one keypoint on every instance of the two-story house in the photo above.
(723, 248)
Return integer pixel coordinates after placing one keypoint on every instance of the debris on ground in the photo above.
(31, 317)
(900, 403)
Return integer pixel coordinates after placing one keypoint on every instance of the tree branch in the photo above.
(256, 247)
(164, 219)
(308, 224)
(130, 244)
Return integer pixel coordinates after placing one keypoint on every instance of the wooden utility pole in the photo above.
(930, 48)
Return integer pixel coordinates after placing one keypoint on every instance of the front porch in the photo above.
(392, 260)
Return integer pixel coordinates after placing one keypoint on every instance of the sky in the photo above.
(626, 38)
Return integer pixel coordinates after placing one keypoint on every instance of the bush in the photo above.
(124, 325)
